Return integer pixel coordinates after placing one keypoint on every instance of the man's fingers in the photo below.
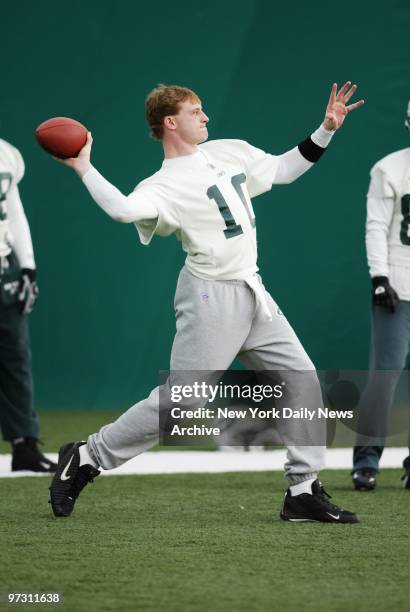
(67, 161)
(343, 90)
(349, 94)
(86, 150)
(355, 105)
(88, 142)
(332, 96)
(58, 159)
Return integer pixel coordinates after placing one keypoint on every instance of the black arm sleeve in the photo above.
(310, 150)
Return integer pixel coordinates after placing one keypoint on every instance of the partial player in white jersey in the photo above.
(388, 256)
(18, 292)
(202, 194)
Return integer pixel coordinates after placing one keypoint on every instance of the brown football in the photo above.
(62, 136)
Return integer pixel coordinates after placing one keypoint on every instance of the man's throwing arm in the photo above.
(126, 209)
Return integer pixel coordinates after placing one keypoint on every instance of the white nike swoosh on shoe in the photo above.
(335, 516)
(44, 465)
(64, 472)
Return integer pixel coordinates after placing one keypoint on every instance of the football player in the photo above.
(388, 256)
(18, 292)
(202, 194)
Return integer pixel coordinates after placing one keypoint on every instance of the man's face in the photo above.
(190, 123)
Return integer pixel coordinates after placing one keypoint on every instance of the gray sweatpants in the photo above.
(217, 321)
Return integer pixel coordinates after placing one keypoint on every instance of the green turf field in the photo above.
(205, 543)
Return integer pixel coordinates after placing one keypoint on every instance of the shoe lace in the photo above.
(324, 496)
(83, 477)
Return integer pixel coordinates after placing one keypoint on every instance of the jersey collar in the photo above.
(198, 156)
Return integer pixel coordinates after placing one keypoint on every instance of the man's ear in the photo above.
(169, 123)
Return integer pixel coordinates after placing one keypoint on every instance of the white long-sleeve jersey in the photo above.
(388, 221)
(14, 228)
(205, 200)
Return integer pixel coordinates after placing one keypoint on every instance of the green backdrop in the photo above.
(104, 323)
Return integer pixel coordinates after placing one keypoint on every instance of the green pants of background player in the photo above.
(217, 321)
(17, 418)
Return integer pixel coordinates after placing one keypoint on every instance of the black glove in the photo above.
(28, 290)
(383, 293)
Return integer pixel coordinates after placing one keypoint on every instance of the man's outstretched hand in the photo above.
(81, 164)
(337, 110)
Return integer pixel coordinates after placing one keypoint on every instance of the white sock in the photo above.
(85, 457)
(302, 487)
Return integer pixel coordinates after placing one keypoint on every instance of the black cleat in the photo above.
(406, 480)
(26, 456)
(364, 480)
(314, 507)
(70, 479)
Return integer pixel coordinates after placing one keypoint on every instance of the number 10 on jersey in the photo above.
(213, 193)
